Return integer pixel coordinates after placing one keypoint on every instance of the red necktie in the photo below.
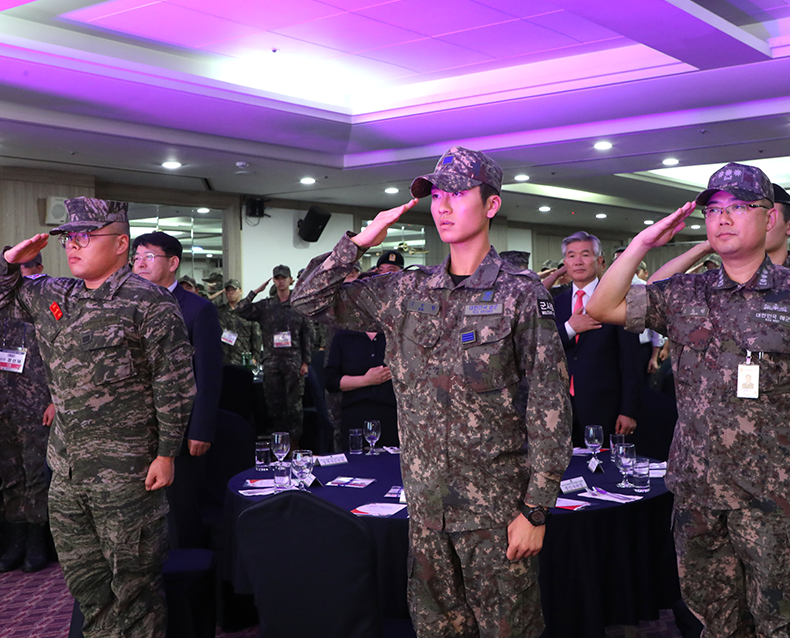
(577, 306)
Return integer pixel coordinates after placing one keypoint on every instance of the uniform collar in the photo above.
(110, 286)
(483, 277)
(761, 280)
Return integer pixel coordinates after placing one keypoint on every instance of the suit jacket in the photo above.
(202, 321)
(606, 370)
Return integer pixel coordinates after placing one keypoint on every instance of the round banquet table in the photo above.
(606, 564)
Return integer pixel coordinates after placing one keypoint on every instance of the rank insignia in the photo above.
(468, 337)
(54, 308)
(487, 296)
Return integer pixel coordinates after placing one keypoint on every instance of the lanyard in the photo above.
(24, 333)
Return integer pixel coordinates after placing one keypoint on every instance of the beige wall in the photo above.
(23, 198)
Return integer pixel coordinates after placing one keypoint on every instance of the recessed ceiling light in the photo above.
(670, 161)
(171, 165)
(601, 216)
(197, 249)
(544, 209)
(391, 190)
(602, 146)
(695, 227)
(209, 255)
(649, 222)
(204, 210)
(307, 181)
(521, 177)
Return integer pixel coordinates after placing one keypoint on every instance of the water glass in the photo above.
(282, 476)
(372, 430)
(626, 457)
(281, 444)
(301, 466)
(640, 475)
(593, 438)
(355, 441)
(614, 441)
(263, 455)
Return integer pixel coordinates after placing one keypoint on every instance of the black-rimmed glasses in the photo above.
(81, 239)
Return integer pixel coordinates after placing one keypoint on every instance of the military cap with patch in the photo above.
(213, 278)
(281, 271)
(780, 195)
(233, 283)
(459, 169)
(747, 183)
(186, 279)
(87, 214)
(391, 257)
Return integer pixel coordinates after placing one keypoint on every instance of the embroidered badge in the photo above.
(54, 308)
(484, 309)
(545, 308)
(694, 311)
(468, 337)
(487, 296)
(427, 307)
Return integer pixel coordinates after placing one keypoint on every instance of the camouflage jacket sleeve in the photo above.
(321, 294)
(548, 417)
(247, 309)
(256, 340)
(169, 355)
(10, 281)
(646, 307)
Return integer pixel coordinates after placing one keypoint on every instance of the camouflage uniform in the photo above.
(728, 464)
(119, 367)
(456, 354)
(248, 335)
(283, 386)
(23, 437)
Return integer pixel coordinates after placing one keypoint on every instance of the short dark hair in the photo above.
(784, 209)
(169, 244)
(486, 190)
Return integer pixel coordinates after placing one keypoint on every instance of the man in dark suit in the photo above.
(156, 258)
(603, 360)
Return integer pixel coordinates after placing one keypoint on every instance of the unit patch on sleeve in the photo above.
(545, 308)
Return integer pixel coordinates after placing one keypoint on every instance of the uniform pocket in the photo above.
(107, 352)
(489, 359)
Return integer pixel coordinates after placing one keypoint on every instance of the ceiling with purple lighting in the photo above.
(365, 94)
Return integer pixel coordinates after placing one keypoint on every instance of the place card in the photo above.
(349, 481)
(595, 465)
(395, 492)
(331, 459)
(392, 450)
(573, 485)
(378, 509)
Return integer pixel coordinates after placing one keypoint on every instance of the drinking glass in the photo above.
(355, 441)
(372, 431)
(614, 441)
(301, 465)
(263, 455)
(593, 438)
(640, 477)
(281, 445)
(626, 457)
(282, 476)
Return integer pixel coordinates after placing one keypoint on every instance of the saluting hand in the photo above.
(27, 249)
(375, 232)
(665, 229)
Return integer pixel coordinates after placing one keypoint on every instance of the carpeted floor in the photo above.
(39, 606)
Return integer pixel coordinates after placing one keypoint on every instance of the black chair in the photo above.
(313, 569)
(237, 394)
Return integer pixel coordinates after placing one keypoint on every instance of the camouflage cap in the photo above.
(186, 279)
(459, 169)
(281, 271)
(391, 257)
(780, 195)
(86, 214)
(214, 278)
(233, 283)
(518, 258)
(747, 183)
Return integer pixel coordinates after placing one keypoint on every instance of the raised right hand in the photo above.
(27, 249)
(665, 229)
(375, 232)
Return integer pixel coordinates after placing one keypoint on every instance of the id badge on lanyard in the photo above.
(13, 359)
(749, 378)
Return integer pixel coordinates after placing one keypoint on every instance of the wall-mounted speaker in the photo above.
(56, 211)
(311, 227)
(254, 206)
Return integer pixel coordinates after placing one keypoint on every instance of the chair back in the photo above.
(313, 568)
(232, 452)
(237, 394)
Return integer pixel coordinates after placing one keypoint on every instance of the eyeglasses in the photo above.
(734, 209)
(149, 257)
(81, 239)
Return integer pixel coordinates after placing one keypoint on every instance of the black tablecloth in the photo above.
(391, 534)
(606, 564)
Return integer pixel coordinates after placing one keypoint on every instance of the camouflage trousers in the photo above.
(23, 466)
(734, 568)
(462, 585)
(111, 542)
(283, 389)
